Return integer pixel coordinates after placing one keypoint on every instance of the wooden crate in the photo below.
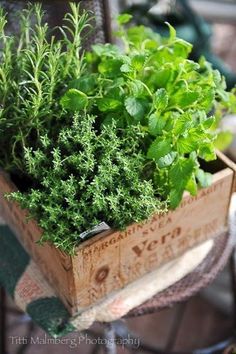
(111, 260)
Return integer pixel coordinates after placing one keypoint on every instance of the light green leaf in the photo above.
(187, 145)
(160, 99)
(167, 160)
(124, 18)
(204, 178)
(74, 100)
(207, 152)
(172, 31)
(182, 123)
(136, 87)
(126, 68)
(208, 122)
(138, 61)
(191, 186)
(159, 148)
(186, 99)
(134, 107)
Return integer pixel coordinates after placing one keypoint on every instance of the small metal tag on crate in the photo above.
(95, 230)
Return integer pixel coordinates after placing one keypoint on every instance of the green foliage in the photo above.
(154, 84)
(85, 178)
(35, 69)
(110, 135)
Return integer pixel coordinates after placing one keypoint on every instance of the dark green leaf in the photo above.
(85, 84)
(180, 174)
(110, 67)
(156, 124)
(108, 104)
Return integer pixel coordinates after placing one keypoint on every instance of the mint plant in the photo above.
(152, 83)
(110, 135)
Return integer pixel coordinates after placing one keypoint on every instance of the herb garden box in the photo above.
(113, 259)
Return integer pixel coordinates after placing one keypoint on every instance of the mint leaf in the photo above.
(186, 99)
(74, 100)
(110, 67)
(138, 61)
(159, 148)
(208, 122)
(136, 87)
(183, 123)
(85, 84)
(160, 99)
(180, 173)
(124, 18)
(108, 104)
(204, 178)
(172, 31)
(207, 152)
(160, 78)
(191, 186)
(187, 145)
(134, 106)
(167, 160)
(126, 68)
(156, 124)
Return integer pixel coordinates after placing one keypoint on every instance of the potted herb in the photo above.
(110, 140)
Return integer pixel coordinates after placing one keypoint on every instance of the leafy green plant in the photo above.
(35, 68)
(152, 83)
(110, 135)
(85, 178)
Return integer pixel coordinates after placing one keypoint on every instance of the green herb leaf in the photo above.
(108, 104)
(134, 107)
(167, 160)
(191, 186)
(207, 152)
(160, 99)
(204, 178)
(124, 18)
(159, 148)
(74, 100)
(156, 124)
(85, 84)
(180, 174)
